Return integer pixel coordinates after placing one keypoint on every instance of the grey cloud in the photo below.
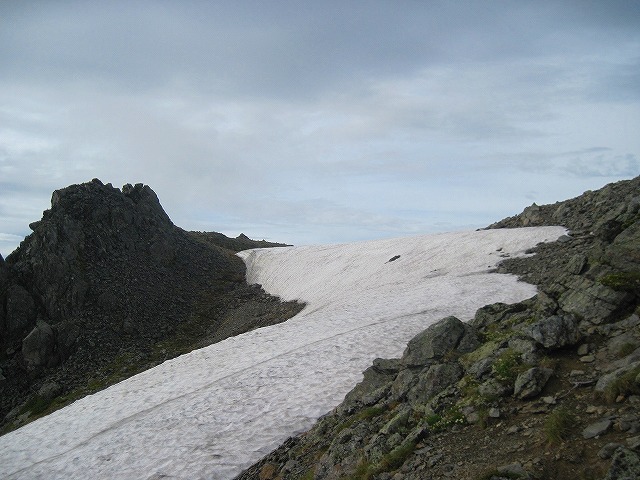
(337, 119)
(275, 48)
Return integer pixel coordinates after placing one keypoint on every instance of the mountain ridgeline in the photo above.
(548, 388)
(107, 286)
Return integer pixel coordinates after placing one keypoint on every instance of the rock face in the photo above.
(548, 388)
(20, 310)
(106, 284)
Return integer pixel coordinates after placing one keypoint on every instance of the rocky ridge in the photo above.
(548, 388)
(107, 286)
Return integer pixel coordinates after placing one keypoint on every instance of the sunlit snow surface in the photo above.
(210, 413)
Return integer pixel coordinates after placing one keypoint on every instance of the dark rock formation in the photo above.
(106, 285)
(241, 242)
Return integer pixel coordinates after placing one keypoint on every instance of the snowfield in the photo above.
(214, 411)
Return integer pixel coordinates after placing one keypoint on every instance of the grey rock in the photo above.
(435, 342)
(596, 429)
(433, 381)
(591, 300)
(531, 216)
(38, 346)
(404, 381)
(530, 383)
(555, 332)
(625, 465)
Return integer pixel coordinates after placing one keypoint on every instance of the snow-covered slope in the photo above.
(212, 412)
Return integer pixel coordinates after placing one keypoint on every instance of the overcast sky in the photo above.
(318, 121)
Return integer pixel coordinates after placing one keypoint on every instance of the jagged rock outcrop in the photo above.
(548, 388)
(106, 285)
(241, 242)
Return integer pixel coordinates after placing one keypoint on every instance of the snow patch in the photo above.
(214, 411)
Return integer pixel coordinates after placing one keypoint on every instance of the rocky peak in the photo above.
(89, 224)
(106, 275)
(604, 212)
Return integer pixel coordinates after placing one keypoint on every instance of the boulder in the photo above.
(38, 346)
(435, 379)
(555, 332)
(530, 383)
(434, 342)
